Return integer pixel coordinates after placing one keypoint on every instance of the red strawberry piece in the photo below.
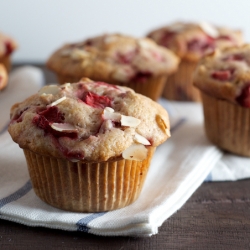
(88, 42)
(96, 101)
(244, 98)
(126, 58)
(141, 77)
(8, 48)
(52, 114)
(201, 44)
(167, 38)
(235, 57)
(45, 118)
(222, 75)
(73, 155)
(42, 123)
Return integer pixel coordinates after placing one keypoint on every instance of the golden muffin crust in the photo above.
(88, 121)
(191, 41)
(112, 58)
(225, 74)
(3, 77)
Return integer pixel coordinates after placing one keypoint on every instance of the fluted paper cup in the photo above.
(152, 87)
(87, 187)
(179, 86)
(5, 60)
(227, 125)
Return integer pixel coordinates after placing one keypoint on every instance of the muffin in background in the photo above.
(191, 41)
(3, 77)
(88, 145)
(7, 47)
(224, 81)
(138, 63)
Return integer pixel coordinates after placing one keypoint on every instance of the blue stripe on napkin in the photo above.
(4, 128)
(82, 224)
(17, 195)
(177, 124)
(209, 178)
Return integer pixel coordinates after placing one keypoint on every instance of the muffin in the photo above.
(3, 77)
(7, 46)
(191, 42)
(224, 81)
(117, 59)
(88, 145)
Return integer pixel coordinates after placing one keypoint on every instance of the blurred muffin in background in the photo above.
(191, 41)
(138, 63)
(3, 77)
(7, 47)
(224, 81)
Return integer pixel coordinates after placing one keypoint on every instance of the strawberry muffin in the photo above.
(138, 63)
(224, 81)
(7, 47)
(191, 41)
(3, 77)
(88, 145)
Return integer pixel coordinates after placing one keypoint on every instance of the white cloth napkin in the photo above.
(178, 167)
(230, 167)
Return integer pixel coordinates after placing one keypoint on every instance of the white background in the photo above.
(42, 26)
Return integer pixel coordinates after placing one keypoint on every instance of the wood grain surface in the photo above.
(217, 216)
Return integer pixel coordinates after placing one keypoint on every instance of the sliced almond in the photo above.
(57, 101)
(177, 27)
(129, 121)
(66, 52)
(49, 89)
(63, 127)
(168, 133)
(136, 152)
(78, 54)
(65, 85)
(144, 43)
(107, 115)
(109, 109)
(209, 29)
(140, 139)
(110, 39)
(162, 125)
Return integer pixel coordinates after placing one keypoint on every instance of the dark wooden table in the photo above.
(217, 216)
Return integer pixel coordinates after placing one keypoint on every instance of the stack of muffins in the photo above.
(88, 141)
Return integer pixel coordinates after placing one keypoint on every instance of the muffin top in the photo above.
(225, 74)
(89, 121)
(112, 58)
(191, 41)
(3, 77)
(7, 45)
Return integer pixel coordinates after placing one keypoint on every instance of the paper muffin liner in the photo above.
(87, 187)
(179, 86)
(5, 60)
(227, 125)
(151, 88)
